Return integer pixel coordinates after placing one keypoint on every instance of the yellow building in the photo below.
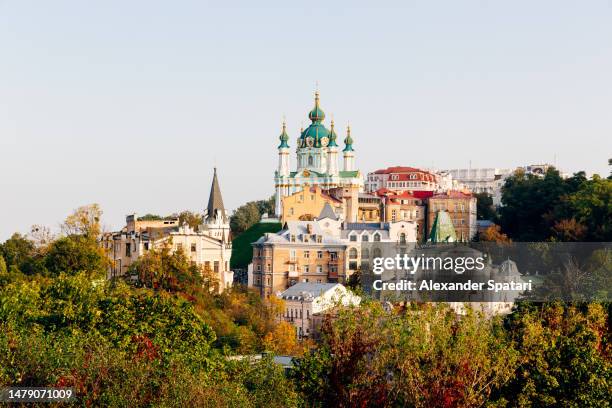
(307, 204)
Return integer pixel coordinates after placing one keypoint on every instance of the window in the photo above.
(306, 269)
(319, 269)
(292, 238)
(365, 253)
(333, 269)
(333, 256)
(377, 237)
(353, 253)
(291, 211)
(319, 254)
(319, 239)
(268, 267)
(365, 238)
(353, 238)
(193, 247)
(216, 266)
(207, 266)
(128, 250)
(258, 267)
(377, 253)
(292, 255)
(306, 254)
(179, 247)
(402, 238)
(310, 161)
(146, 246)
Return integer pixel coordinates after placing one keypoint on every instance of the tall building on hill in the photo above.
(317, 158)
(208, 245)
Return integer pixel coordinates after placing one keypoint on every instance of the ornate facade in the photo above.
(317, 160)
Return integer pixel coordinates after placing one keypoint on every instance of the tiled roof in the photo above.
(314, 289)
(453, 194)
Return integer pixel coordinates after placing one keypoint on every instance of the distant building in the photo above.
(483, 180)
(402, 179)
(305, 300)
(208, 246)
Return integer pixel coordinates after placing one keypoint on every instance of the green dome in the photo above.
(284, 137)
(316, 114)
(317, 131)
(332, 136)
(348, 141)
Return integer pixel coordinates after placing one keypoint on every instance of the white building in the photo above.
(304, 300)
(482, 180)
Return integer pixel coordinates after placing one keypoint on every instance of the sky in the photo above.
(130, 104)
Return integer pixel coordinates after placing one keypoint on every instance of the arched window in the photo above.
(402, 238)
(365, 238)
(377, 253)
(353, 253)
(365, 253)
(310, 160)
(377, 237)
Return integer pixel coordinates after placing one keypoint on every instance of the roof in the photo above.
(348, 174)
(308, 288)
(297, 229)
(442, 229)
(403, 173)
(453, 194)
(215, 201)
(327, 212)
(420, 194)
(367, 226)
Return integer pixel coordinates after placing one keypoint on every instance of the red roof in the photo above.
(404, 173)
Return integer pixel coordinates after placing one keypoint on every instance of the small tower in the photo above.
(283, 152)
(283, 168)
(215, 220)
(332, 152)
(349, 155)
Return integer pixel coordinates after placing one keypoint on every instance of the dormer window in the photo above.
(353, 238)
(377, 237)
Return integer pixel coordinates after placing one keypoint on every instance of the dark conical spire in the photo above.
(215, 201)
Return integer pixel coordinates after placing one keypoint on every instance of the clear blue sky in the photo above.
(130, 103)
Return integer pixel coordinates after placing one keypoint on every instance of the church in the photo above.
(317, 158)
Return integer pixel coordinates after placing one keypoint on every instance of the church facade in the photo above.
(317, 157)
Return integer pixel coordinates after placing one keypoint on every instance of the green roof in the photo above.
(442, 229)
(284, 137)
(349, 174)
(242, 251)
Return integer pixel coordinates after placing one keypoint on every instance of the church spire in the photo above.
(316, 115)
(332, 136)
(215, 201)
(284, 137)
(348, 141)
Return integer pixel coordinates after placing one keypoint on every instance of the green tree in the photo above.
(249, 214)
(17, 250)
(75, 254)
(592, 207)
(485, 210)
(423, 357)
(564, 356)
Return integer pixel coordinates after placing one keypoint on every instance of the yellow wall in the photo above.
(307, 203)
